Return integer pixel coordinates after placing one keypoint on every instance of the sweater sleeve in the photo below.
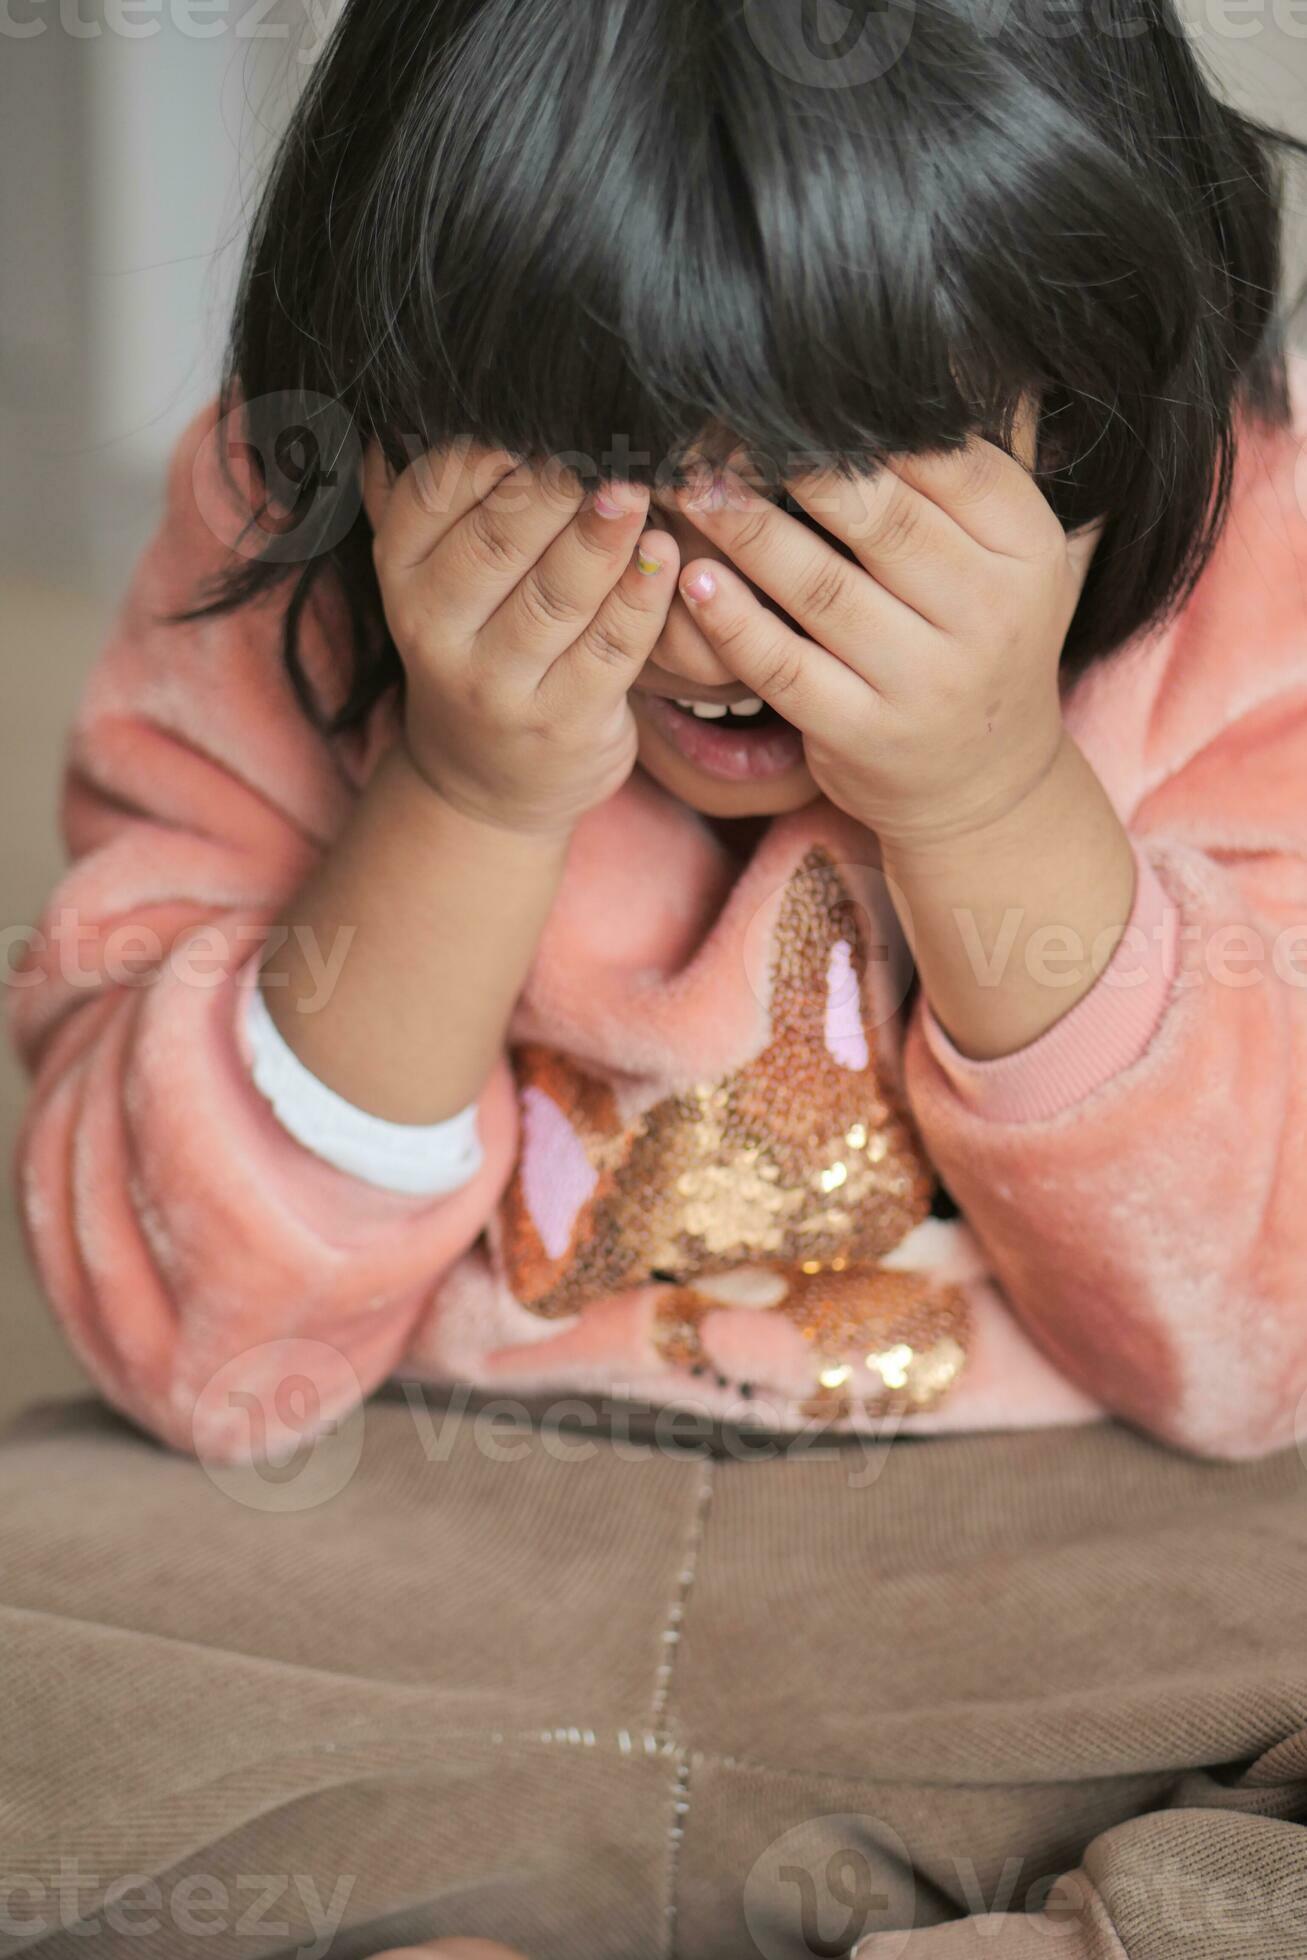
(1107, 1031)
(203, 1262)
(1140, 1188)
(426, 1160)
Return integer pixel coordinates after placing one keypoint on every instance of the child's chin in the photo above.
(715, 800)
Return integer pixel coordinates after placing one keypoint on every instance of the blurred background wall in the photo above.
(131, 141)
(132, 134)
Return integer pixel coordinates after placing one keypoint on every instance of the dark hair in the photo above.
(558, 226)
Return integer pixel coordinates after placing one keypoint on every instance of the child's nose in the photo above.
(684, 653)
(690, 658)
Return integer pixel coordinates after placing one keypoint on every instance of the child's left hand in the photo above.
(925, 677)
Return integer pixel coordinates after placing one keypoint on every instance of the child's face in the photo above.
(728, 766)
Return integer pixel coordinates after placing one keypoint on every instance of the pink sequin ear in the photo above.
(846, 1037)
(558, 1179)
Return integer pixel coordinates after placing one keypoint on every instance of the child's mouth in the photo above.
(748, 742)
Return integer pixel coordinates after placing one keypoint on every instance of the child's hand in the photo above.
(523, 611)
(925, 678)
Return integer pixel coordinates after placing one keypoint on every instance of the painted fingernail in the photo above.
(700, 588)
(606, 506)
(646, 562)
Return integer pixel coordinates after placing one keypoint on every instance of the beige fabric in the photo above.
(598, 1698)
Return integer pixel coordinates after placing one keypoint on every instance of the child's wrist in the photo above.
(478, 816)
(1011, 926)
(1008, 820)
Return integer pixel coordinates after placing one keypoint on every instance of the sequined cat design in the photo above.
(797, 1171)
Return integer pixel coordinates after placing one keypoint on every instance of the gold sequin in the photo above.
(902, 1335)
(794, 1161)
(887, 1341)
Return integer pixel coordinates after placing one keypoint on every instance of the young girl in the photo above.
(699, 807)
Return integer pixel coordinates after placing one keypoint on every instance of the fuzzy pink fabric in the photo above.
(1134, 1185)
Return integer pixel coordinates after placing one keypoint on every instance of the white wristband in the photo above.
(429, 1160)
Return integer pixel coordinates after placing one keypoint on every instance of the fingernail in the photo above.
(700, 588)
(646, 562)
(606, 506)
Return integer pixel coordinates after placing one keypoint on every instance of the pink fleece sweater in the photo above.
(712, 1148)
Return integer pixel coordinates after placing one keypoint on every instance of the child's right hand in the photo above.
(523, 610)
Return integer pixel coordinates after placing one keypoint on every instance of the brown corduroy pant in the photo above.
(604, 1689)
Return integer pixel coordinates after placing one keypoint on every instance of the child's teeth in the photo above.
(715, 711)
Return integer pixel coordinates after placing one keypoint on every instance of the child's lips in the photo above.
(732, 753)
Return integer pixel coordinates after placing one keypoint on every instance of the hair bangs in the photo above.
(623, 233)
(585, 258)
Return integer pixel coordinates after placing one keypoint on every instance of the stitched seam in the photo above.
(675, 1839)
(660, 1714)
(680, 1599)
